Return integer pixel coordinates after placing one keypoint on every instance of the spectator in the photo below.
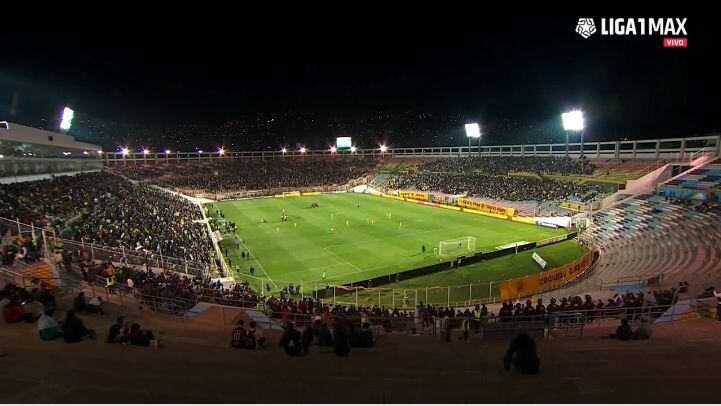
(521, 354)
(95, 305)
(366, 339)
(48, 328)
(341, 339)
(142, 338)
(79, 304)
(623, 332)
(115, 334)
(13, 311)
(239, 335)
(32, 310)
(291, 340)
(307, 338)
(257, 333)
(321, 333)
(643, 332)
(74, 329)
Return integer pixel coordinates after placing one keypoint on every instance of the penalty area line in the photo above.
(256, 261)
(342, 259)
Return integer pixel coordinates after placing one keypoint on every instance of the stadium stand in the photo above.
(246, 174)
(656, 235)
(703, 183)
(107, 210)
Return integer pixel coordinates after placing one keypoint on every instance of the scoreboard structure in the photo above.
(343, 143)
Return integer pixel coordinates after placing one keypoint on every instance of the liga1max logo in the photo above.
(673, 30)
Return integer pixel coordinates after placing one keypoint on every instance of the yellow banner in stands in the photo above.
(413, 195)
(310, 193)
(485, 207)
(574, 206)
(545, 281)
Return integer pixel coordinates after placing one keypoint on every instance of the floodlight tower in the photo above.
(573, 121)
(473, 130)
(66, 121)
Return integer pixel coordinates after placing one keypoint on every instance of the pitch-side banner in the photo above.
(545, 281)
(485, 207)
(413, 195)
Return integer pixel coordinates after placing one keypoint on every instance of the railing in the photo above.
(658, 148)
(8, 275)
(555, 321)
(100, 252)
(126, 296)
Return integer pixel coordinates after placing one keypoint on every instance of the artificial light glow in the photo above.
(302, 150)
(200, 151)
(473, 130)
(66, 153)
(572, 120)
(333, 149)
(67, 119)
(343, 142)
(85, 152)
(167, 152)
(125, 151)
(146, 151)
(100, 152)
(353, 149)
(384, 148)
(221, 151)
(284, 150)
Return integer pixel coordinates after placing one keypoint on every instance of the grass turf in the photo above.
(303, 247)
(468, 284)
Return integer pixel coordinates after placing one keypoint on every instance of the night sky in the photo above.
(405, 74)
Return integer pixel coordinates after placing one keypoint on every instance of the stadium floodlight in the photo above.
(65, 153)
(125, 150)
(353, 149)
(146, 151)
(384, 148)
(167, 151)
(200, 151)
(67, 119)
(100, 152)
(302, 150)
(284, 150)
(221, 151)
(473, 130)
(333, 149)
(85, 152)
(572, 120)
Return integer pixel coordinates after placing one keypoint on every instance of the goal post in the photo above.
(457, 246)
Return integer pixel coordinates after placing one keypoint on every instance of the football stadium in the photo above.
(519, 251)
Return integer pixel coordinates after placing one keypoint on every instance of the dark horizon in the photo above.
(401, 74)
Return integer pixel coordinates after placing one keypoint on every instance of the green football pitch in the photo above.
(355, 237)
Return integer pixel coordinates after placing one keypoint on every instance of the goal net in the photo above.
(457, 246)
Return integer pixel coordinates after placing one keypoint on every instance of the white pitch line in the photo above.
(342, 259)
(256, 261)
(402, 235)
